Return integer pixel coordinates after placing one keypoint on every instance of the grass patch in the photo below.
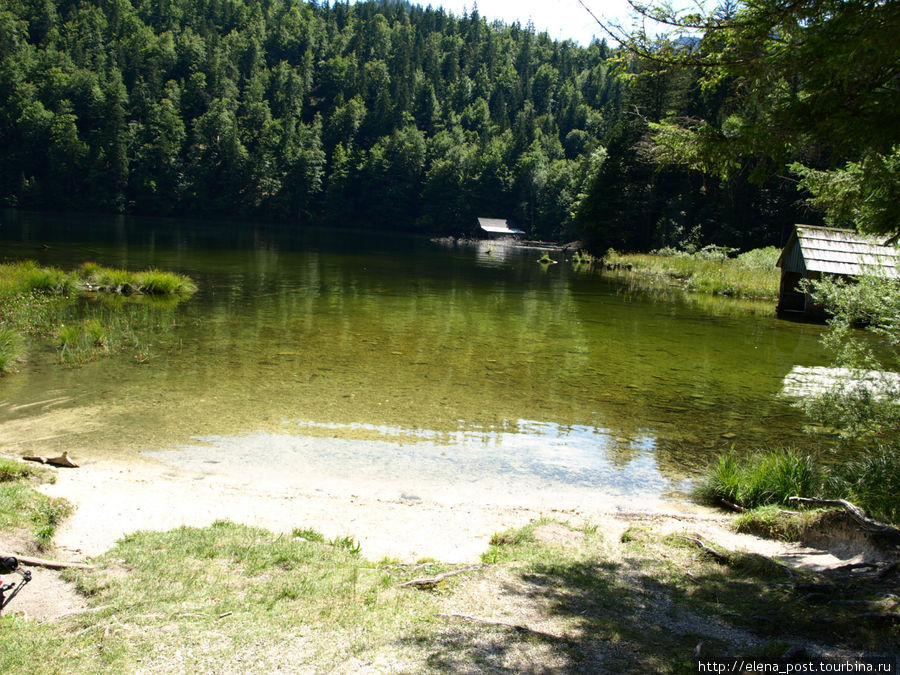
(750, 275)
(220, 598)
(871, 481)
(25, 511)
(149, 282)
(764, 478)
(11, 350)
(646, 601)
(773, 522)
(231, 597)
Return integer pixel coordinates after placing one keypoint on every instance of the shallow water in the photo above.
(436, 359)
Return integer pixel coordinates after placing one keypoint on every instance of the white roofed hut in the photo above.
(497, 228)
(814, 251)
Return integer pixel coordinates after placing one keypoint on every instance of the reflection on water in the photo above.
(379, 338)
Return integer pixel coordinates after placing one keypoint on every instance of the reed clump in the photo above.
(149, 282)
(870, 480)
(764, 478)
(46, 302)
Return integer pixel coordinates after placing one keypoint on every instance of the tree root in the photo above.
(865, 523)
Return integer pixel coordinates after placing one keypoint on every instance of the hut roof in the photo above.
(498, 226)
(835, 251)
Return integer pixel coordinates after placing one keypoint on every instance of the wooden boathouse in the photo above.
(497, 228)
(814, 251)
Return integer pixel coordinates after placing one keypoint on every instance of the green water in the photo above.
(399, 343)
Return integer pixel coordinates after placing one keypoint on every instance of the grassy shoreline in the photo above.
(750, 275)
(555, 595)
(48, 303)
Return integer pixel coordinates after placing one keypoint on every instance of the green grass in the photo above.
(774, 522)
(24, 510)
(870, 480)
(11, 350)
(764, 478)
(44, 302)
(149, 282)
(230, 597)
(750, 275)
(224, 597)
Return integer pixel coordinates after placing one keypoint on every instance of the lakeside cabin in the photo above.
(814, 251)
(498, 228)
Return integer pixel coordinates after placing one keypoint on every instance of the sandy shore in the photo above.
(113, 499)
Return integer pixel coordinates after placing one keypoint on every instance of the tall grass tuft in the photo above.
(766, 478)
(156, 282)
(24, 277)
(150, 282)
(120, 309)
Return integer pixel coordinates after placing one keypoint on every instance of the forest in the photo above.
(378, 114)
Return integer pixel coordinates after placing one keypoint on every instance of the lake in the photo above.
(414, 365)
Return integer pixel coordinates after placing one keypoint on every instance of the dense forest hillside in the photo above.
(379, 113)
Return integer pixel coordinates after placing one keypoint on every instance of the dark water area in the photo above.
(457, 360)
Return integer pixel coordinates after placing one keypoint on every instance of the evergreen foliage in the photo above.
(807, 87)
(380, 113)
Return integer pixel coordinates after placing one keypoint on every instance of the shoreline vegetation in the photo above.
(569, 596)
(87, 313)
(711, 271)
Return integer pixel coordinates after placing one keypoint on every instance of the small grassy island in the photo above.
(89, 312)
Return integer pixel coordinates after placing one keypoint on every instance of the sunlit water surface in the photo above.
(412, 365)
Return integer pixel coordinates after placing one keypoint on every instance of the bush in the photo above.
(759, 258)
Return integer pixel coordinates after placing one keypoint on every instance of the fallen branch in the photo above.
(51, 564)
(865, 523)
(733, 507)
(431, 582)
(515, 626)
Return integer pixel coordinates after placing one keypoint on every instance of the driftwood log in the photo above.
(62, 460)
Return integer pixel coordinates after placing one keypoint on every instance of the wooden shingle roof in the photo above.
(835, 251)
